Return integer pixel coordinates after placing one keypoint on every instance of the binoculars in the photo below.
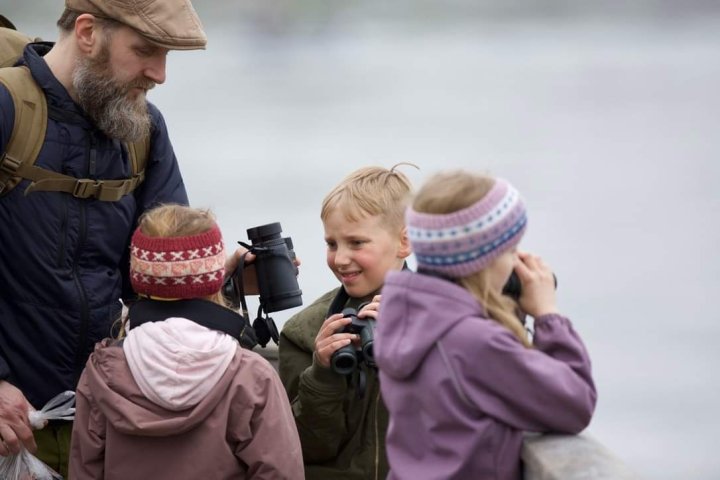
(347, 358)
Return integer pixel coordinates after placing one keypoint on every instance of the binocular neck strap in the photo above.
(203, 312)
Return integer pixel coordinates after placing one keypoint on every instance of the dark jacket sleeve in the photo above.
(317, 394)
(87, 448)
(545, 388)
(7, 117)
(163, 184)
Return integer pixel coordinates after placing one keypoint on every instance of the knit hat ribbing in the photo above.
(461, 243)
(177, 267)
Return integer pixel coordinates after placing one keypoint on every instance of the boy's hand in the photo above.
(371, 309)
(328, 341)
(538, 285)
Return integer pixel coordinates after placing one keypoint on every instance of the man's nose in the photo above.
(155, 69)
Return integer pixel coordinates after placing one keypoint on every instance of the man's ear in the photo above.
(87, 33)
(405, 248)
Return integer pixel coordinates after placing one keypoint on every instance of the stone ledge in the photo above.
(571, 457)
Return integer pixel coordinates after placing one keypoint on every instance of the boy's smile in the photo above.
(360, 252)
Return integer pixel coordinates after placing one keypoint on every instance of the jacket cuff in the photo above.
(325, 378)
(549, 319)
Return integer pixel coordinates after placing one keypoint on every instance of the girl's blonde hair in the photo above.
(448, 192)
(371, 191)
(172, 220)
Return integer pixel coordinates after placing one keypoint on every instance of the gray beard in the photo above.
(107, 103)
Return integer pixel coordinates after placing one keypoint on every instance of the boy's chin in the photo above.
(357, 291)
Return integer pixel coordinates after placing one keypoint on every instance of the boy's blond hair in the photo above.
(371, 191)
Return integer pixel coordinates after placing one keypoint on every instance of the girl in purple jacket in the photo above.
(458, 373)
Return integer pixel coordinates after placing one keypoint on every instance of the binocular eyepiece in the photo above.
(346, 359)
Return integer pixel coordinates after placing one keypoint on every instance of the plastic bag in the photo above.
(25, 465)
(60, 407)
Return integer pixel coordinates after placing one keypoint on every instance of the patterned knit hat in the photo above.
(177, 267)
(461, 243)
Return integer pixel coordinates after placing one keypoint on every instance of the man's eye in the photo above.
(144, 52)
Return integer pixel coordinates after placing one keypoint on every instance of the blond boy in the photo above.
(341, 418)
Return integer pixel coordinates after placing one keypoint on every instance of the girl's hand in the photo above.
(538, 285)
(328, 341)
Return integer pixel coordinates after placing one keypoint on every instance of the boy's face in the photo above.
(361, 252)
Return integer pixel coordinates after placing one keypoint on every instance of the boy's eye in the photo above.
(331, 245)
(357, 243)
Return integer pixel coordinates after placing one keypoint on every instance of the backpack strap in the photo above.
(30, 124)
(27, 139)
(139, 152)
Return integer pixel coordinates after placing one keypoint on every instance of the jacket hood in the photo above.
(416, 311)
(130, 411)
(176, 362)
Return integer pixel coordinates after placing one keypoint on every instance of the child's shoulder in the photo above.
(307, 322)
(477, 333)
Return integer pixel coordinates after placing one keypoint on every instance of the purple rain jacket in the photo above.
(461, 389)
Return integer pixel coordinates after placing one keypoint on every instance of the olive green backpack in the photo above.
(28, 135)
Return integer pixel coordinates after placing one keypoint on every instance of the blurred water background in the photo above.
(605, 115)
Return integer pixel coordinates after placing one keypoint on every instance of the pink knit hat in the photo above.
(177, 267)
(461, 243)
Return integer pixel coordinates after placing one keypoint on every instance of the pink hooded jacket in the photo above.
(217, 412)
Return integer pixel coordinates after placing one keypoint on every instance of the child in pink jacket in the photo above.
(178, 398)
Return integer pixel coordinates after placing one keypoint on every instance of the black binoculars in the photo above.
(276, 280)
(346, 359)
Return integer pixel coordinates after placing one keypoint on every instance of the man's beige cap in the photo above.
(172, 24)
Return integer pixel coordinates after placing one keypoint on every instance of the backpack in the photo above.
(28, 135)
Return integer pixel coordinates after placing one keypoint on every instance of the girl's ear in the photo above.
(405, 249)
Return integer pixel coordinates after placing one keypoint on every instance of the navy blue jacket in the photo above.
(64, 260)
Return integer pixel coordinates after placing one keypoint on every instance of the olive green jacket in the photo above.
(342, 433)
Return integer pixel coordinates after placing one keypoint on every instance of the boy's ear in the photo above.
(405, 248)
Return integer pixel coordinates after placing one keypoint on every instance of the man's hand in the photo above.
(15, 431)
(250, 285)
(249, 275)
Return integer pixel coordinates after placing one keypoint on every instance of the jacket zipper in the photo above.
(63, 231)
(377, 438)
(84, 307)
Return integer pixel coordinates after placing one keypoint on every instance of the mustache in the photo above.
(144, 84)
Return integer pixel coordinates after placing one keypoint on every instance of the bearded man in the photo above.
(64, 259)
